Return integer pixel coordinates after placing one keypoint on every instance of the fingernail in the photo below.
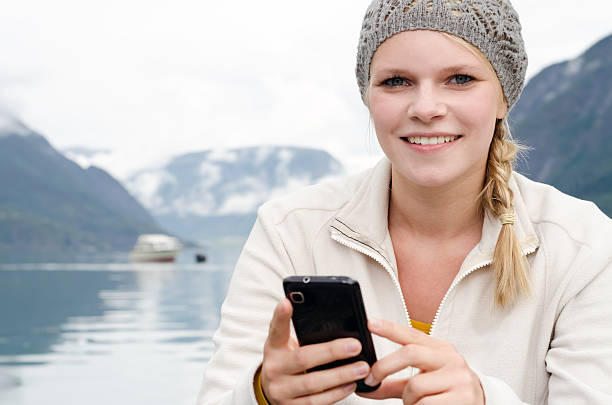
(375, 323)
(361, 370)
(352, 346)
(369, 380)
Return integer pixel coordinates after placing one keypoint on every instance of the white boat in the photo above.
(155, 248)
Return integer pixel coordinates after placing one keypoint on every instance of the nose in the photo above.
(426, 104)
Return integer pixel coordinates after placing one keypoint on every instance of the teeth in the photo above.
(431, 140)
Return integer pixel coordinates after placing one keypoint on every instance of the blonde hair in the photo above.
(509, 265)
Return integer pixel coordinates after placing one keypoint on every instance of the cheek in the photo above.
(479, 113)
(386, 112)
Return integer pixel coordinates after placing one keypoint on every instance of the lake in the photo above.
(108, 332)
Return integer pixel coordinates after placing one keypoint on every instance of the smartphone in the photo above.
(327, 308)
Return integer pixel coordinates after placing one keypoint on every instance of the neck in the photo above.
(442, 212)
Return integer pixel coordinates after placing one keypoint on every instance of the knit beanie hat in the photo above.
(492, 26)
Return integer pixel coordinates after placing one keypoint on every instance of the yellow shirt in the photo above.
(422, 326)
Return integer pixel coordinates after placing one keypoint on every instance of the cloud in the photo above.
(152, 79)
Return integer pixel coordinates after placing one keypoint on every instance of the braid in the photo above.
(509, 265)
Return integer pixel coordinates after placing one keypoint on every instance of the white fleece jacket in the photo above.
(554, 347)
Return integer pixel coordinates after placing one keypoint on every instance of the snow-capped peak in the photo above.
(225, 182)
(10, 125)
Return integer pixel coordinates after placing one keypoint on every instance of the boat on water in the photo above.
(155, 248)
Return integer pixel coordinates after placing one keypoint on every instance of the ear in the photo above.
(502, 109)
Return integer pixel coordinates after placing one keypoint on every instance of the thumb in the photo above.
(280, 325)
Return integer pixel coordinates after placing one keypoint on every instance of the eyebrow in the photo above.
(466, 68)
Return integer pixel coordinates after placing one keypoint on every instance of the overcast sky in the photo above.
(151, 79)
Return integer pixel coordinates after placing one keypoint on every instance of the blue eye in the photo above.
(394, 82)
(462, 79)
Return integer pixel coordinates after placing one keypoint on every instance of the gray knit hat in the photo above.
(491, 25)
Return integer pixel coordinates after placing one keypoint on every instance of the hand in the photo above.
(283, 373)
(445, 377)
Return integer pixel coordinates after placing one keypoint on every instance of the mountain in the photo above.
(48, 203)
(565, 115)
(84, 157)
(215, 193)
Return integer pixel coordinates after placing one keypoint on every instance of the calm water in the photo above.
(115, 333)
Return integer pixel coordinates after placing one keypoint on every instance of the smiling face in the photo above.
(434, 104)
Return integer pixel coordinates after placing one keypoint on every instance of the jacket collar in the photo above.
(364, 218)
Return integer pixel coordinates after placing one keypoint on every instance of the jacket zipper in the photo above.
(363, 249)
(454, 284)
(451, 288)
(346, 241)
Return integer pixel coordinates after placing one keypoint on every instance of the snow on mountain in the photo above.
(86, 157)
(229, 182)
(10, 125)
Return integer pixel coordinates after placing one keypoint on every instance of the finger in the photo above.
(328, 397)
(280, 325)
(399, 333)
(426, 384)
(324, 380)
(390, 388)
(309, 356)
(411, 355)
(293, 343)
(444, 398)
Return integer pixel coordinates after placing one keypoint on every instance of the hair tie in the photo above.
(507, 219)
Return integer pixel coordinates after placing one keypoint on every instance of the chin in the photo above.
(426, 178)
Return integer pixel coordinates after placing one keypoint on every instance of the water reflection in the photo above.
(120, 333)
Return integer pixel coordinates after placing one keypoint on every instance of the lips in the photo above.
(430, 139)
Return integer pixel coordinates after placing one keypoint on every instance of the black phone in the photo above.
(327, 308)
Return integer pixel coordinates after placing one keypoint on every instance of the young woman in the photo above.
(509, 279)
